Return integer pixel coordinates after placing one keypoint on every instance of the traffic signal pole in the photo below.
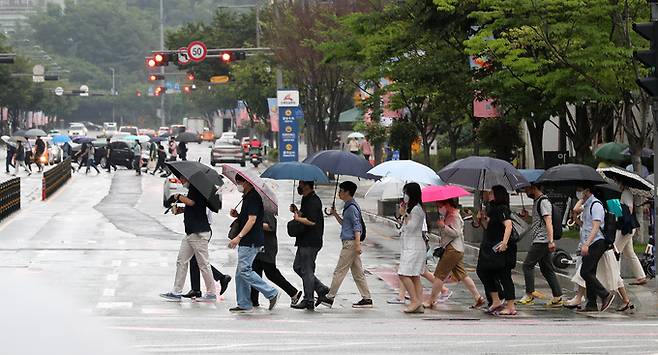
(162, 69)
(654, 110)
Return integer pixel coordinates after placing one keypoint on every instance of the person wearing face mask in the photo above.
(195, 243)
(308, 244)
(451, 230)
(592, 247)
(624, 242)
(541, 248)
(249, 241)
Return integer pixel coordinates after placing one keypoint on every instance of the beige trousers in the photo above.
(195, 244)
(349, 260)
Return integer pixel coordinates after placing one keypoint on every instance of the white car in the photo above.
(77, 129)
(109, 129)
(163, 130)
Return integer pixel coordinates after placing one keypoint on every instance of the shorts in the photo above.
(451, 261)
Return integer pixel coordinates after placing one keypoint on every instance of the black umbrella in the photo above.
(483, 173)
(570, 174)
(202, 177)
(607, 191)
(627, 178)
(187, 137)
(341, 163)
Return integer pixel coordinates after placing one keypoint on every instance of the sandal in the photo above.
(627, 306)
(493, 310)
(479, 303)
(419, 309)
(506, 313)
(639, 282)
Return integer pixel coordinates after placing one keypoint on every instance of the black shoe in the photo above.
(240, 310)
(324, 300)
(294, 299)
(192, 294)
(364, 303)
(223, 284)
(589, 308)
(308, 305)
(607, 301)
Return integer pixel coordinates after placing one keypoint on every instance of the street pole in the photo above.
(257, 25)
(654, 110)
(114, 92)
(162, 69)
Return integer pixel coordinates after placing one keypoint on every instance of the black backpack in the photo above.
(363, 224)
(610, 224)
(556, 217)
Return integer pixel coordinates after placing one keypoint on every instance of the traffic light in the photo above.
(51, 77)
(138, 93)
(155, 77)
(187, 89)
(190, 76)
(150, 62)
(649, 31)
(7, 58)
(160, 90)
(160, 59)
(231, 56)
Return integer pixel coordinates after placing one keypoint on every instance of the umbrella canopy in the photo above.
(270, 202)
(570, 174)
(35, 132)
(83, 139)
(644, 171)
(356, 135)
(341, 163)
(202, 177)
(295, 171)
(607, 191)
(60, 138)
(17, 139)
(646, 152)
(441, 193)
(8, 141)
(531, 174)
(611, 151)
(407, 170)
(483, 173)
(131, 138)
(627, 178)
(19, 133)
(388, 188)
(187, 137)
(159, 139)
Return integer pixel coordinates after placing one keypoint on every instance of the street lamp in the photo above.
(114, 92)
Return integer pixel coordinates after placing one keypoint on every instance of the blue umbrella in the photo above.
(531, 174)
(83, 139)
(341, 163)
(60, 138)
(295, 171)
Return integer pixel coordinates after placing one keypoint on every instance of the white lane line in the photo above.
(164, 264)
(109, 292)
(160, 311)
(121, 241)
(112, 277)
(114, 305)
(615, 346)
(91, 242)
(116, 263)
(133, 264)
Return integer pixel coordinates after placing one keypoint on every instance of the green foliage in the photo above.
(403, 133)
(492, 132)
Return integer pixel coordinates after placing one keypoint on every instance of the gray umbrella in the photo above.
(187, 137)
(19, 133)
(35, 132)
(483, 173)
(571, 174)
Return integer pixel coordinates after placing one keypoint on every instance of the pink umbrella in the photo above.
(268, 195)
(440, 193)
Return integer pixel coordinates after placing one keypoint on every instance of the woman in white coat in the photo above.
(412, 254)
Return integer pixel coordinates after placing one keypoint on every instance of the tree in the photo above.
(494, 129)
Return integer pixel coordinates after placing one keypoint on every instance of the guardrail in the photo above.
(54, 178)
(10, 197)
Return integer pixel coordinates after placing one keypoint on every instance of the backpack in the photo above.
(609, 230)
(363, 224)
(556, 218)
(519, 227)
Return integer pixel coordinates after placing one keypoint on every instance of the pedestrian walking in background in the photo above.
(19, 159)
(108, 156)
(195, 243)
(543, 244)
(81, 157)
(351, 231)
(9, 158)
(195, 279)
(137, 157)
(308, 244)
(173, 149)
(249, 241)
(162, 156)
(624, 241)
(353, 145)
(592, 247)
(412, 253)
(29, 155)
(497, 256)
(182, 150)
(266, 262)
(39, 148)
(366, 149)
(451, 231)
(91, 161)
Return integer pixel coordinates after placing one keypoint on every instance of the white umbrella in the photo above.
(8, 141)
(407, 170)
(388, 188)
(356, 135)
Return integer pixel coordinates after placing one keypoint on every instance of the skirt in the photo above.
(607, 271)
(412, 262)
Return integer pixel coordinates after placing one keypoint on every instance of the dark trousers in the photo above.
(539, 253)
(487, 291)
(8, 163)
(37, 161)
(273, 274)
(304, 266)
(91, 164)
(160, 165)
(110, 165)
(137, 162)
(588, 272)
(195, 275)
(490, 279)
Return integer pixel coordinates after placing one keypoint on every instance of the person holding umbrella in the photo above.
(11, 150)
(40, 148)
(108, 156)
(249, 241)
(137, 157)
(195, 243)
(19, 158)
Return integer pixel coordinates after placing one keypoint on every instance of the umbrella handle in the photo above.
(328, 211)
(333, 204)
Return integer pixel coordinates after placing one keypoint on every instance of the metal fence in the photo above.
(54, 178)
(10, 197)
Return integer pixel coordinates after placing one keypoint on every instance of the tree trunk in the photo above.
(426, 149)
(378, 153)
(536, 131)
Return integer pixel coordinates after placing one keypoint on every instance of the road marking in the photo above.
(133, 264)
(91, 242)
(114, 305)
(109, 292)
(112, 277)
(121, 242)
(116, 263)
(160, 311)
(164, 264)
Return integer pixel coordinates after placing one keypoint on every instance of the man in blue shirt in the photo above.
(592, 246)
(350, 254)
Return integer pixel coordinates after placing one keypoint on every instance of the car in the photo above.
(132, 130)
(122, 154)
(228, 138)
(163, 130)
(109, 129)
(175, 129)
(53, 132)
(77, 129)
(172, 186)
(207, 135)
(227, 153)
(146, 132)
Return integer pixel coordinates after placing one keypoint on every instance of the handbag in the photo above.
(296, 229)
(438, 252)
(234, 229)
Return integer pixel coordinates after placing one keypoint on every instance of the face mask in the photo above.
(240, 189)
(405, 198)
(579, 195)
(443, 211)
(300, 190)
(187, 185)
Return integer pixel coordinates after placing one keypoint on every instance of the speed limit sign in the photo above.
(197, 51)
(183, 56)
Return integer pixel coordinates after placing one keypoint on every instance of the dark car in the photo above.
(121, 155)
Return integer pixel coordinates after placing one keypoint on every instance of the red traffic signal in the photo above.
(226, 57)
(154, 77)
(150, 62)
(159, 59)
(160, 90)
(187, 89)
(190, 76)
(138, 93)
(230, 56)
